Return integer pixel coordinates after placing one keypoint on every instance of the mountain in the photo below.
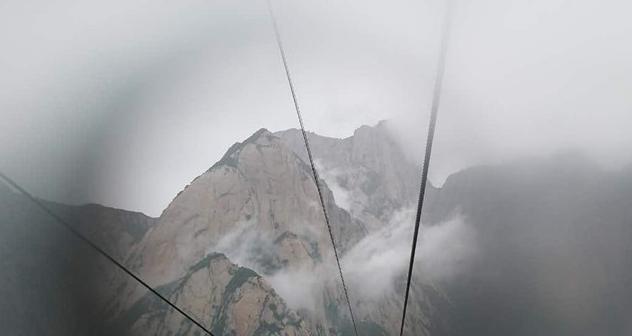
(554, 254)
(235, 300)
(368, 172)
(534, 246)
(372, 179)
(259, 207)
(54, 283)
(259, 185)
(51, 282)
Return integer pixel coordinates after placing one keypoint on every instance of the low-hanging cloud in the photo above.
(247, 246)
(442, 252)
(372, 266)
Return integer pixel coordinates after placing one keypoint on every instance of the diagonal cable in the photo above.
(436, 100)
(311, 159)
(76, 233)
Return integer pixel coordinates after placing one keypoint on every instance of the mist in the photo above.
(530, 77)
(552, 253)
(443, 251)
(96, 98)
(125, 102)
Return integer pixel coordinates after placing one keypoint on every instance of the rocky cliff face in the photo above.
(258, 186)
(229, 299)
(259, 207)
(372, 179)
(369, 174)
(244, 247)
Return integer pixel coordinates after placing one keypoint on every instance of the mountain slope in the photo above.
(259, 206)
(376, 182)
(554, 254)
(370, 175)
(245, 250)
(230, 299)
(51, 282)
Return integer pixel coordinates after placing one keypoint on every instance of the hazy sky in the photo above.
(125, 102)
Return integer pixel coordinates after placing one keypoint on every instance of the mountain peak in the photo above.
(261, 133)
(381, 128)
(260, 137)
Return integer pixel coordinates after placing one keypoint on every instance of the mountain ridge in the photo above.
(243, 247)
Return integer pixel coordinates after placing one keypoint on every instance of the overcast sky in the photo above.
(124, 102)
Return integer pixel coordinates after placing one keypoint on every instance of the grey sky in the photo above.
(124, 102)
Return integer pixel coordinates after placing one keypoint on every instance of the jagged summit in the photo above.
(368, 172)
(259, 206)
(262, 136)
(380, 127)
(261, 182)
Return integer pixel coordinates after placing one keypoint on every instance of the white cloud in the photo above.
(375, 262)
(342, 195)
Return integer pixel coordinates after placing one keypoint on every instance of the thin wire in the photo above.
(63, 223)
(431, 130)
(311, 159)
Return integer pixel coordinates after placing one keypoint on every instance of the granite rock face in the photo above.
(259, 206)
(244, 248)
(226, 298)
(259, 185)
(370, 175)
